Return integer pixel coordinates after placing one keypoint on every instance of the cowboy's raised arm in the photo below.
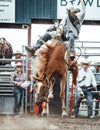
(81, 15)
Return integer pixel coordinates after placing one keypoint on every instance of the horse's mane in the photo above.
(43, 55)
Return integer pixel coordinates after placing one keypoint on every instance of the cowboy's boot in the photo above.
(30, 50)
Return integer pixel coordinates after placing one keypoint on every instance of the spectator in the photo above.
(97, 95)
(18, 56)
(17, 78)
(85, 80)
(7, 51)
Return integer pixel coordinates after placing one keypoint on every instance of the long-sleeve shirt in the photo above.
(89, 80)
(16, 78)
(66, 23)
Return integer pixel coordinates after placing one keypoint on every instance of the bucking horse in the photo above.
(52, 59)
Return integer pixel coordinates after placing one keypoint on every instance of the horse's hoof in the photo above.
(64, 116)
(44, 114)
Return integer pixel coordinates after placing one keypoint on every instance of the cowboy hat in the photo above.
(18, 53)
(85, 61)
(72, 9)
(97, 64)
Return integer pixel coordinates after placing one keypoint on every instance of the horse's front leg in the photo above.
(62, 94)
(45, 111)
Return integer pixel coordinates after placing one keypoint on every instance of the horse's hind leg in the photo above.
(62, 94)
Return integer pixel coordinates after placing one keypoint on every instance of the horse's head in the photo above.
(42, 91)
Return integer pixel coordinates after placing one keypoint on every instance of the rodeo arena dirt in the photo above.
(31, 122)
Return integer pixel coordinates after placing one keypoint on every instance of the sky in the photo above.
(18, 37)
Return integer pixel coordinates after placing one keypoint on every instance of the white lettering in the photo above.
(92, 8)
(86, 2)
(63, 2)
(7, 11)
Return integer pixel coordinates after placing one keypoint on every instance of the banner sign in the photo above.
(7, 11)
(92, 8)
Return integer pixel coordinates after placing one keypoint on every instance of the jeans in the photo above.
(45, 38)
(69, 37)
(71, 41)
(18, 96)
(88, 96)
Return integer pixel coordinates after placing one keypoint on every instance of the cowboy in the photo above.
(71, 24)
(7, 51)
(86, 81)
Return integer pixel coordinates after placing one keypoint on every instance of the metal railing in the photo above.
(85, 47)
